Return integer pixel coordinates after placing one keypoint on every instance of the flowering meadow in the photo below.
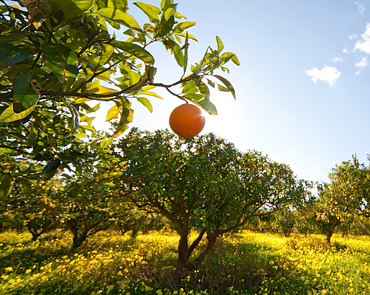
(241, 263)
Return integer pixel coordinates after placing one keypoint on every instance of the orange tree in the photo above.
(350, 187)
(345, 196)
(326, 214)
(57, 56)
(86, 193)
(202, 184)
(37, 210)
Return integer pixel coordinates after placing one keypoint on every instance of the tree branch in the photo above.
(15, 149)
(196, 242)
(142, 82)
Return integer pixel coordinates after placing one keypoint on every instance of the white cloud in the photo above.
(345, 50)
(326, 74)
(361, 64)
(360, 8)
(337, 59)
(364, 44)
(353, 36)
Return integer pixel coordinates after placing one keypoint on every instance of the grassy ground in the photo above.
(245, 263)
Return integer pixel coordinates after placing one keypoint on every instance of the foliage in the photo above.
(86, 194)
(246, 263)
(343, 198)
(38, 210)
(56, 57)
(204, 184)
(285, 221)
(58, 51)
(349, 188)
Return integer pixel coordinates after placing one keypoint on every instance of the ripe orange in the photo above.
(187, 120)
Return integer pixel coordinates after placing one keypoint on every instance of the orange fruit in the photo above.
(187, 120)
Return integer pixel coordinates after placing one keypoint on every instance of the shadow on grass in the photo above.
(242, 267)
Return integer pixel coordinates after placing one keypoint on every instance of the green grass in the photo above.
(244, 263)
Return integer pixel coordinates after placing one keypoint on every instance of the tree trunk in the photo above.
(196, 242)
(183, 251)
(78, 236)
(78, 240)
(328, 237)
(35, 236)
(33, 232)
(211, 237)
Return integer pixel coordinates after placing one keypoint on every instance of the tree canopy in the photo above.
(203, 184)
(59, 57)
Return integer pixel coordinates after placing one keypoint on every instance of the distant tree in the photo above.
(346, 196)
(285, 220)
(350, 188)
(203, 184)
(22, 201)
(58, 56)
(305, 217)
(328, 215)
(87, 196)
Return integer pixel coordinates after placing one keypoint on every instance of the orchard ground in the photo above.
(241, 263)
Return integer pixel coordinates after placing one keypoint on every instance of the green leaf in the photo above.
(178, 15)
(151, 11)
(165, 4)
(183, 26)
(170, 11)
(227, 84)
(11, 54)
(134, 77)
(220, 45)
(13, 36)
(126, 117)
(208, 106)
(62, 61)
(5, 185)
(179, 57)
(222, 88)
(149, 87)
(186, 34)
(118, 17)
(135, 50)
(165, 26)
(235, 60)
(87, 127)
(211, 83)
(94, 108)
(24, 95)
(151, 94)
(75, 118)
(107, 52)
(101, 90)
(26, 187)
(189, 87)
(74, 8)
(145, 102)
(186, 49)
(118, 4)
(229, 55)
(204, 90)
(83, 4)
(112, 113)
(8, 115)
(50, 169)
(194, 96)
(106, 142)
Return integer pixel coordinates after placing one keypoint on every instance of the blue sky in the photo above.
(303, 86)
